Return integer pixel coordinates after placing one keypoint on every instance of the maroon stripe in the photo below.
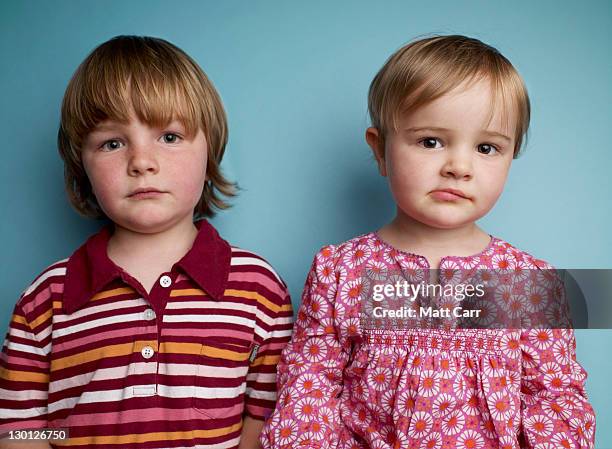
(22, 405)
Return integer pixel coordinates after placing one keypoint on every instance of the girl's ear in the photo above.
(377, 144)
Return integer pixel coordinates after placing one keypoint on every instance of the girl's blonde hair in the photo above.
(426, 69)
(159, 83)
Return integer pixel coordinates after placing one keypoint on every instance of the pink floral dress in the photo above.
(343, 386)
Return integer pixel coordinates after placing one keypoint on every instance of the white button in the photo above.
(149, 314)
(147, 352)
(165, 281)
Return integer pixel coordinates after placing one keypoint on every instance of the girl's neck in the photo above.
(410, 235)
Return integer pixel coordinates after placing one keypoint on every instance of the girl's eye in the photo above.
(170, 138)
(431, 143)
(485, 148)
(111, 145)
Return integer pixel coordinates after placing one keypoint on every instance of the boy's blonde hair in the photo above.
(424, 70)
(159, 83)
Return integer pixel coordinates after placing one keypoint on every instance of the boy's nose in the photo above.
(458, 164)
(142, 160)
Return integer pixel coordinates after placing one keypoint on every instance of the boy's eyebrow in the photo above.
(438, 129)
(106, 126)
(112, 125)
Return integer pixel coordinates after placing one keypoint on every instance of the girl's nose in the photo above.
(458, 164)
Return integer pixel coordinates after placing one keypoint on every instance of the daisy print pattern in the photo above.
(404, 388)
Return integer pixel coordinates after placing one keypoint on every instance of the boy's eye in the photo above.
(485, 148)
(170, 138)
(111, 145)
(431, 142)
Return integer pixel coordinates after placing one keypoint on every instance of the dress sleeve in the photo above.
(24, 371)
(274, 320)
(554, 405)
(310, 371)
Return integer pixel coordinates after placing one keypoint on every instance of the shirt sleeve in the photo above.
(273, 324)
(310, 374)
(554, 404)
(24, 370)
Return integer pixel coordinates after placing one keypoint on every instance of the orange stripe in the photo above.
(41, 319)
(180, 348)
(20, 319)
(102, 353)
(209, 351)
(23, 376)
(114, 292)
(224, 354)
(187, 292)
(264, 301)
(266, 360)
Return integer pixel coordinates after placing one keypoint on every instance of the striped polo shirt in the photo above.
(89, 350)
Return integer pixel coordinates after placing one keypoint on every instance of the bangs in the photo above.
(117, 82)
(502, 95)
(156, 82)
(426, 70)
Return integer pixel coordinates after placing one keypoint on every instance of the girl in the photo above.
(448, 115)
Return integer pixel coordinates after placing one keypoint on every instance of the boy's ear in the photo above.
(377, 144)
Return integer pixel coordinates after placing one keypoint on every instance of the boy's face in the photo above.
(447, 162)
(146, 179)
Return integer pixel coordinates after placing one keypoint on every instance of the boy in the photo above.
(156, 332)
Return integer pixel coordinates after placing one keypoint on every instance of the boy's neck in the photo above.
(410, 235)
(151, 253)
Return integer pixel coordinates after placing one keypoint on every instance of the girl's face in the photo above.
(448, 161)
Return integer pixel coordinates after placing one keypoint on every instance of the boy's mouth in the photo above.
(145, 192)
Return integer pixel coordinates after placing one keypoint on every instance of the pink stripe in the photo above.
(43, 296)
(260, 279)
(23, 425)
(275, 346)
(139, 415)
(166, 332)
(25, 362)
(130, 331)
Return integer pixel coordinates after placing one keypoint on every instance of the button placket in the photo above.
(147, 389)
(157, 299)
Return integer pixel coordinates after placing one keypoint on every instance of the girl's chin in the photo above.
(446, 222)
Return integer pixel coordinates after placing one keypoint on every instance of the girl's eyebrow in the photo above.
(438, 129)
(500, 135)
(427, 128)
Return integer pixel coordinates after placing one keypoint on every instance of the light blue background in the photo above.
(294, 78)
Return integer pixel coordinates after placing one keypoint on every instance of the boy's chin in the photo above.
(148, 225)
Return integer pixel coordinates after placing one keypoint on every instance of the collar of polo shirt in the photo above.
(207, 263)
